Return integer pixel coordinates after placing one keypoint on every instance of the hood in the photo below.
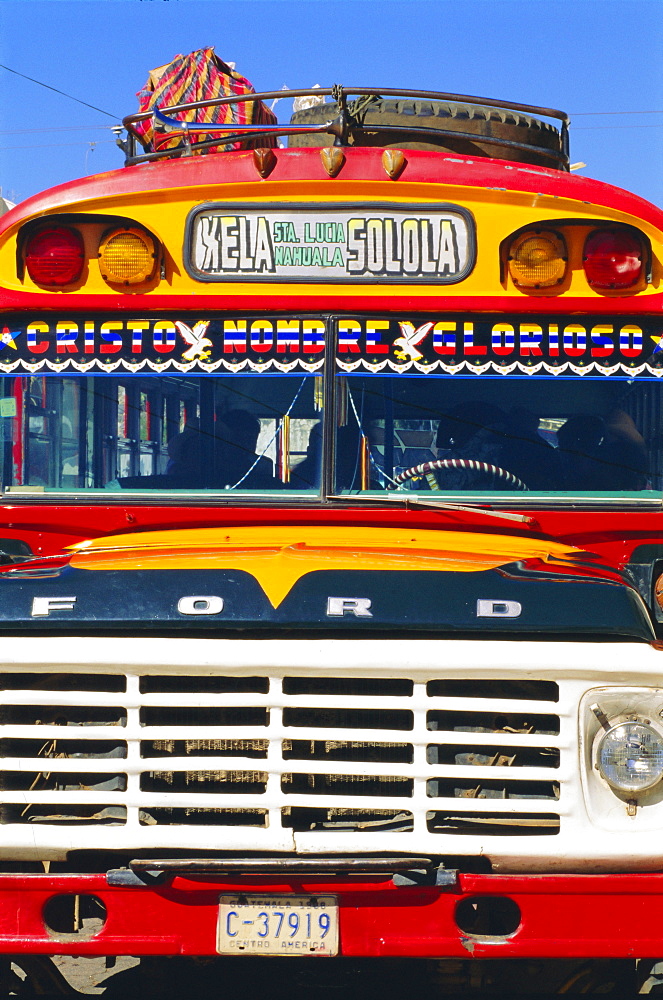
(324, 577)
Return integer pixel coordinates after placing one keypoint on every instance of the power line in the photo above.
(576, 114)
(48, 87)
(53, 145)
(57, 128)
(583, 114)
(603, 128)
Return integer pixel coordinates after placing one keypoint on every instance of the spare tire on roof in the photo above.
(457, 128)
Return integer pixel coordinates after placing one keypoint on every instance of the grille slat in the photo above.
(311, 755)
(491, 739)
(62, 769)
(492, 691)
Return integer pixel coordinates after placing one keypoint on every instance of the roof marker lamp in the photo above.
(537, 259)
(55, 256)
(127, 257)
(629, 756)
(613, 259)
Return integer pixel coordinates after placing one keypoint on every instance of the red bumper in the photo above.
(595, 916)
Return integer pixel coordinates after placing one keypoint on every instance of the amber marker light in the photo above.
(537, 259)
(127, 257)
(55, 256)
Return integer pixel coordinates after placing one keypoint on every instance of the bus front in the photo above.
(331, 564)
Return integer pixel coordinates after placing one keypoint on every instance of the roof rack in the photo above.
(343, 127)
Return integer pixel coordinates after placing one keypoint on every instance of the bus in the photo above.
(332, 472)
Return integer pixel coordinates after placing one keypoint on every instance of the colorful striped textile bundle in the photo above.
(201, 76)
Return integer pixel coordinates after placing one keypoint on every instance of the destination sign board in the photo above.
(339, 243)
(405, 343)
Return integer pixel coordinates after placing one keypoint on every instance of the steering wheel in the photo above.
(467, 464)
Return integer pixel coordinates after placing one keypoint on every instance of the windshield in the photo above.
(476, 406)
(246, 434)
(479, 436)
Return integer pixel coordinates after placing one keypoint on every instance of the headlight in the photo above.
(630, 756)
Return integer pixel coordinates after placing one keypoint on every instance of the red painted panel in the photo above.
(362, 163)
(335, 299)
(593, 916)
(48, 527)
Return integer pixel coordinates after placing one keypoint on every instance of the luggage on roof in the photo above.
(200, 76)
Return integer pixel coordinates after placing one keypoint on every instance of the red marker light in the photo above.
(54, 256)
(613, 259)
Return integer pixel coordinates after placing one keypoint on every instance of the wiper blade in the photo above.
(409, 501)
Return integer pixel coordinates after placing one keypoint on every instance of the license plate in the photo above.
(278, 925)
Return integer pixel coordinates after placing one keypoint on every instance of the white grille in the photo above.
(391, 751)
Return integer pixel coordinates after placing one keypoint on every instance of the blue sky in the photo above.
(600, 60)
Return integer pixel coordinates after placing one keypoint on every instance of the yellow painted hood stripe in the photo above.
(280, 556)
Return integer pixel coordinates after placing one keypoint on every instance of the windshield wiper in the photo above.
(408, 501)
